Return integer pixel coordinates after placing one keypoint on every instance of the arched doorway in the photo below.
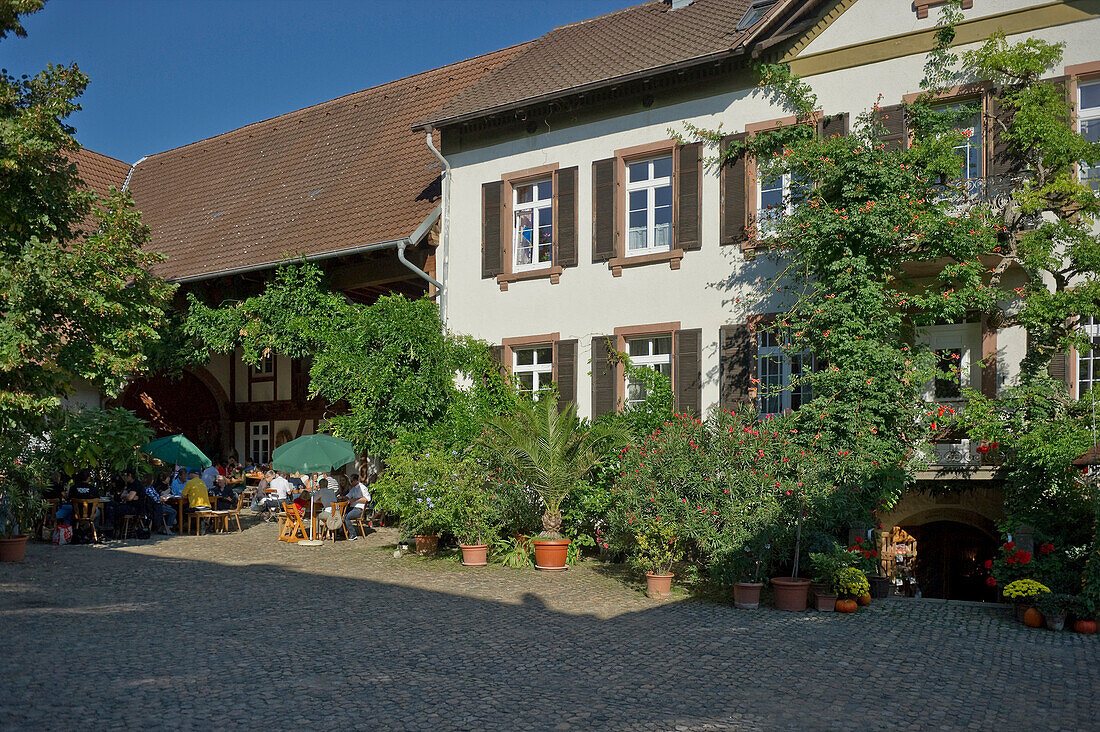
(179, 405)
(949, 559)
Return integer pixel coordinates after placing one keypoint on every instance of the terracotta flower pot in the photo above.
(13, 549)
(658, 586)
(790, 593)
(819, 588)
(1055, 622)
(474, 555)
(825, 603)
(881, 586)
(1033, 618)
(426, 543)
(746, 595)
(550, 554)
(1085, 627)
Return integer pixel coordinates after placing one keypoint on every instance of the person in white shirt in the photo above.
(358, 504)
(210, 477)
(271, 503)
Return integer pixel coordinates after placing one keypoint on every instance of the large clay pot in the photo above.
(746, 595)
(881, 586)
(790, 593)
(13, 549)
(658, 586)
(825, 603)
(1033, 618)
(474, 555)
(550, 554)
(1085, 627)
(1056, 622)
(426, 543)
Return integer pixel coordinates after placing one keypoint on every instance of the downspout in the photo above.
(443, 259)
(416, 236)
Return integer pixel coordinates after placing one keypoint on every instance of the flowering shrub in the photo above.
(656, 547)
(851, 582)
(864, 555)
(1024, 589)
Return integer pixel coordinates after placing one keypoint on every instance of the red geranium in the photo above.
(1046, 548)
(989, 564)
(991, 581)
(1023, 557)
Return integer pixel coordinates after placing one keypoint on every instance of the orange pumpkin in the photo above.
(1085, 627)
(846, 606)
(1033, 618)
(864, 600)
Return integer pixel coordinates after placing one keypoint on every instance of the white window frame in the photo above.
(535, 206)
(260, 442)
(766, 217)
(967, 147)
(650, 361)
(266, 366)
(776, 389)
(542, 374)
(1091, 326)
(1090, 114)
(967, 337)
(650, 185)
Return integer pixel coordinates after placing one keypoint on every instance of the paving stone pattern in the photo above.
(242, 631)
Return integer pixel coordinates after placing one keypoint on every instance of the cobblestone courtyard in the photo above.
(242, 631)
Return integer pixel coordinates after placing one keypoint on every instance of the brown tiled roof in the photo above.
(99, 171)
(634, 40)
(340, 174)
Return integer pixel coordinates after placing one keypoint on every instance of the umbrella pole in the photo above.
(312, 541)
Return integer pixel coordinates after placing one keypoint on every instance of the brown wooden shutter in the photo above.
(565, 209)
(604, 222)
(688, 184)
(736, 364)
(837, 124)
(604, 394)
(1059, 367)
(492, 245)
(735, 191)
(1001, 163)
(565, 368)
(688, 347)
(895, 127)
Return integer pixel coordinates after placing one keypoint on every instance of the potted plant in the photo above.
(420, 488)
(551, 451)
(655, 551)
(746, 593)
(824, 567)
(1054, 606)
(850, 584)
(1023, 593)
(20, 509)
(790, 593)
(472, 516)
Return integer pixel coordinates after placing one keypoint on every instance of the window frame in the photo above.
(536, 206)
(648, 361)
(263, 458)
(542, 374)
(775, 353)
(650, 185)
(1081, 118)
(625, 334)
(975, 183)
(967, 337)
(509, 346)
(511, 273)
(1092, 325)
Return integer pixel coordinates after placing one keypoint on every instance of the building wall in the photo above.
(715, 285)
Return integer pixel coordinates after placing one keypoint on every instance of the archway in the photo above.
(179, 405)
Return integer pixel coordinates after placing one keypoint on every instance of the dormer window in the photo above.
(754, 13)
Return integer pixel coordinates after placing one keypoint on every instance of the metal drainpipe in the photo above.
(424, 275)
(444, 220)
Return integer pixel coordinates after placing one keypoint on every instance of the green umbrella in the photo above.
(313, 453)
(177, 450)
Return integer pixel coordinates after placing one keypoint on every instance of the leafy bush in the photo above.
(655, 545)
(99, 439)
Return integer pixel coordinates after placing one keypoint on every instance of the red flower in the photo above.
(991, 582)
(859, 539)
(983, 449)
(1010, 546)
(1046, 548)
(1024, 557)
(1010, 560)
(989, 564)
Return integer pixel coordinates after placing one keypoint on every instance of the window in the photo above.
(652, 352)
(969, 150)
(755, 12)
(261, 443)
(777, 196)
(649, 206)
(780, 375)
(1088, 116)
(533, 233)
(266, 367)
(949, 375)
(533, 368)
(953, 347)
(1088, 362)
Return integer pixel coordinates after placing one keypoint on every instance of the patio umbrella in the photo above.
(177, 450)
(312, 454)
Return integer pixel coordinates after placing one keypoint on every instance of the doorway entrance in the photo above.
(178, 406)
(948, 560)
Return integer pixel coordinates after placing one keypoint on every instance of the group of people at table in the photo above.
(217, 487)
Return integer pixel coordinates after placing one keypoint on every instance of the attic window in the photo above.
(755, 12)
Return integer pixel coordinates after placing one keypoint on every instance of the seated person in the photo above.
(129, 499)
(280, 485)
(163, 515)
(82, 489)
(359, 505)
(55, 491)
(178, 482)
(194, 492)
(326, 495)
(223, 496)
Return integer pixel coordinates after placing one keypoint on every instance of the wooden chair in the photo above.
(337, 508)
(367, 517)
(196, 518)
(234, 513)
(293, 531)
(84, 511)
(137, 518)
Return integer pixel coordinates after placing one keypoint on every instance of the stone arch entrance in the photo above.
(188, 405)
(937, 541)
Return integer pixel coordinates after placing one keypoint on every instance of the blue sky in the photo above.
(168, 72)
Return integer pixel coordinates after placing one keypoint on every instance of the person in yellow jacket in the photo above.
(195, 493)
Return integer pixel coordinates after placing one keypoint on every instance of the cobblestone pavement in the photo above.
(242, 631)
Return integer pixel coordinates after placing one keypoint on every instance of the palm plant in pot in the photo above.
(20, 509)
(551, 451)
(655, 551)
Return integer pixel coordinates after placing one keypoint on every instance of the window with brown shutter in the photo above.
(893, 126)
(565, 214)
(736, 364)
(688, 182)
(605, 399)
(604, 219)
(530, 228)
(688, 350)
(734, 195)
(836, 124)
(565, 370)
(492, 248)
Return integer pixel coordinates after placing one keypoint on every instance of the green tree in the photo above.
(78, 299)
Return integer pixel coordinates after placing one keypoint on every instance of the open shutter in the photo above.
(1059, 367)
(604, 190)
(736, 364)
(837, 124)
(734, 180)
(688, 347)
(604, 397)
(894, 129)
(565, 368)
(565, 209)
(688, 182)
(492, 247)
(1001, 162)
